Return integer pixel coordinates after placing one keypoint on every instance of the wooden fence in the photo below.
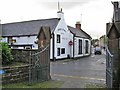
(15, 74)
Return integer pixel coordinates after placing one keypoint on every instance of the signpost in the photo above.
(70, 44)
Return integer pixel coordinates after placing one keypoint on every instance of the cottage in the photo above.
(65, 42)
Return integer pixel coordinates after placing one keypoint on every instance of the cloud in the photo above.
(66, 4)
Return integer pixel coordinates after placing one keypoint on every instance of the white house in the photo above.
(66, 41)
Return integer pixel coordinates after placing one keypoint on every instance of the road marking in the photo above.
(100, 60)
(78, 77)
(64, 63)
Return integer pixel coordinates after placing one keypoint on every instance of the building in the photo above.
(103, 41)
(113, 34)
(66, 41)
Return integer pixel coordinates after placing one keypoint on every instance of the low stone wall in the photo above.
(15, 74)
(22, 55)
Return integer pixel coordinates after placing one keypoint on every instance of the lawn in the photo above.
(46, 84)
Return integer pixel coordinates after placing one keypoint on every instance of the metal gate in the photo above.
(109, 69)
(40, 65)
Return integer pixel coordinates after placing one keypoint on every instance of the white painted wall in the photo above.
(4, 39)
(26, 40)
(23, 40)
(76, 46)
(51, 48)
(88, 47)
(66, 36)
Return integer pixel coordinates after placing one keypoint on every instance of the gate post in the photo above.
(39, 61)
(30, 67)
(113, 34)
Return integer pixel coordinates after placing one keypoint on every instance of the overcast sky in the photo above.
(93, 14)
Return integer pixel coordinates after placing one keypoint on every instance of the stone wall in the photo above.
(22, 55)
(15, 74)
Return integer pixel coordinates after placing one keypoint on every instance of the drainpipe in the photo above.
(73, 46)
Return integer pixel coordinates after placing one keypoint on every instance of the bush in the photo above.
(7, 57)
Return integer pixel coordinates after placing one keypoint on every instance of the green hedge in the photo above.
(7, 57)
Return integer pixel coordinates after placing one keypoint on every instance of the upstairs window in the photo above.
(58, 38)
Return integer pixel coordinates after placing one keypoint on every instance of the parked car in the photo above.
(97, 50)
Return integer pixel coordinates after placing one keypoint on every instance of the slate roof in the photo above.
(79, 32)
(28, 27)
(33, 27)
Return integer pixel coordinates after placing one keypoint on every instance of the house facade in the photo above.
(65, 42)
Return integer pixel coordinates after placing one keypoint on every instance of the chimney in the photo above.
(60, 14)
(116, 7)
(78, 25)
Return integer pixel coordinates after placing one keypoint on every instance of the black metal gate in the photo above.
(109, 69)
(40, 65)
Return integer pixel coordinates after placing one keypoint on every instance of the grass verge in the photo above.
(95, 85)
(46, 84)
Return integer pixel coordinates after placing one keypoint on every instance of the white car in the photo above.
(97, 50)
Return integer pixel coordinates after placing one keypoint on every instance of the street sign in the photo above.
(70, 43)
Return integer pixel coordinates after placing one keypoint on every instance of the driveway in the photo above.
(77, 73)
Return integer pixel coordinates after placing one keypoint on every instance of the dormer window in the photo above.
(58, 38)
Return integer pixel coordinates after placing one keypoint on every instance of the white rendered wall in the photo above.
(66, 36)
(88, 47)
(76, 46)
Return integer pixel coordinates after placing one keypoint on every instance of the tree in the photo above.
(94, 41)
(7, 57)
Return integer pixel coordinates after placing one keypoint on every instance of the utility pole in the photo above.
(58, 6)
(81, 18)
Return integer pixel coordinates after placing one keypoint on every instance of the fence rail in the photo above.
(15, 74)
(109, 68)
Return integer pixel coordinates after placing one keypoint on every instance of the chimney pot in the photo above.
(78, 25)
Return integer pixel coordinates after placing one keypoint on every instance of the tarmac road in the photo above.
(76, 73)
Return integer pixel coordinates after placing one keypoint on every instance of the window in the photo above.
(9, 40)
(28, 47)
(58, 38)
(58, 51)
(80, 46)
(15, 47)
(63, 51)
(86, 46)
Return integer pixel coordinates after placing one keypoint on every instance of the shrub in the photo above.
(7, 57)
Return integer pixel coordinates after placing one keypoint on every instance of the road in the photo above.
(76, 73)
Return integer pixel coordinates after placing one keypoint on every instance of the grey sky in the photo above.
(93, 14)
(66, 4)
